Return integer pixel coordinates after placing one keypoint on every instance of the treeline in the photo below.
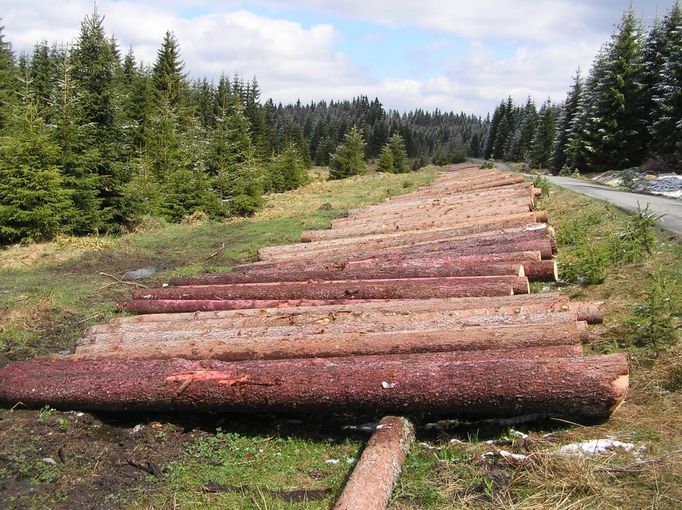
(626, 112)
(92, 141)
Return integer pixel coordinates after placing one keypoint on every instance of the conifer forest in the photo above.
(92, 141)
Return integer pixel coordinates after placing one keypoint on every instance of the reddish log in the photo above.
(349, 272)
(377, 471)
(541, 270)
(367, 244)
(399, 288)
(576, 388)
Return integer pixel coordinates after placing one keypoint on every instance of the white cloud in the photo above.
(543, 42)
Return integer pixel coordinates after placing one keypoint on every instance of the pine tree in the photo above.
(666, 125)
(386, 159)
(33, 200)
(349, 158)
(167, 73)
(142, 195)
(569, 110)
(541, 146)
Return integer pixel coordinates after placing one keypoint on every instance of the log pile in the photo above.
(418, 305)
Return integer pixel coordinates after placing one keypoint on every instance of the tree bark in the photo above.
(405, 288)
(309, 341)
(376, 473)
(465, 225)
(327, 310)
(579, 389)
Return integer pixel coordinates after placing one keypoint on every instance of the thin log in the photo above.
(399, 288)
(580, 389)
(376, 473)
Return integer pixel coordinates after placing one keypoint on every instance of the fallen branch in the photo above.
(216, 253)
(636, 467)
(122, 282)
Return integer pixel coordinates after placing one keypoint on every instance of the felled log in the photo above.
(289, 269)
(361, 246)
(521, 241)
(541, 270)
(325, 311)
(464, 225)
(362, 273)
(376, 473)
(400, 288)
(346, 339)
(579, 389)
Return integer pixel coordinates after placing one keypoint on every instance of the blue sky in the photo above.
(456, 55)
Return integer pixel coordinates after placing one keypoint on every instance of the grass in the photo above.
(51, 292)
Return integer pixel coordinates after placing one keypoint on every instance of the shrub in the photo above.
(487, 164)
(541, 182)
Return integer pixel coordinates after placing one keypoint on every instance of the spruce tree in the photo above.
(615, 116)
(142, 195)
(569, 110)
(286, 170)
(399, 153)
(94, 64)
(79, 155)
(167, 73)
(541, 146)
(349, 158)
(33, 201)
(7, 82)
(666, 125)
(386, 159)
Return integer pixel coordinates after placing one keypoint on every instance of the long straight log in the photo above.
(339, 338)
(290, 311)
(296, 267)
(390, 271)
(367, 244)
(399, 288)
(480, 245)
(376, 473)
(576, 388)
(465, 225)
(324, 266)
(315, 321)
(519, 342)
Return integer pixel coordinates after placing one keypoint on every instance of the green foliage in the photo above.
(286, 170)
(349, 158)
(587, 263)
(637, 240)
(542, 183)
(33, 198)
(540, 151)
(397, 146)
(386, 159)
(142, 195)
(653, 324)
(487, 164)
(167, 75)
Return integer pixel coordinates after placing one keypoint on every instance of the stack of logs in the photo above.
(419, 304)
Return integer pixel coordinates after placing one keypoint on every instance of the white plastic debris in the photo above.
(386, 385)
(516, 433)
(137, 428)
(516, 457)
(595, 447)
(332, 462)
(49, 461)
